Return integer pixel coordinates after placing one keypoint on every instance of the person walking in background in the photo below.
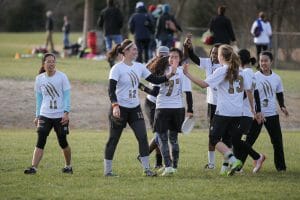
(49, 31)
(221, 28)
(124, 78)
(166, 27)
(111, 21)
(52, 90)
(141, 25)
(270, 87)
(66, 30)
(262, 32)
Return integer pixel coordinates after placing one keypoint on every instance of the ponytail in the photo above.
(232, 60)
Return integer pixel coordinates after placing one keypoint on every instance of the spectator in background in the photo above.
(166, 26)
(152, 45)
(66, 29)
(221, 27)
(111, 21)
(262, 31)
(141, 25)
(49, 31)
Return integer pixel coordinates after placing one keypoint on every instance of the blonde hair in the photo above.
(232, 60)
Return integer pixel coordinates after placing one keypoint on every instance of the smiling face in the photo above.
(265, 63)
(174, 58)
(49, 65)
(214, 55)
(131, 53)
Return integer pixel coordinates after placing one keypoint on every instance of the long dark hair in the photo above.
(179, 53)
(119, 48)
(158, 65)
(233, 61)
(42, 69)
(246, 58)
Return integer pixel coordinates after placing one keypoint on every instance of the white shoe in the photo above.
(169, 171)
(209, 166)
(258, 163)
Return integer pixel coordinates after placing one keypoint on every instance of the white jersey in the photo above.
(209, 67)
(267, 87)
(230, 95)
(247, 109)
(150, 97)
(170, 93)
(52, 89)
(128, 78)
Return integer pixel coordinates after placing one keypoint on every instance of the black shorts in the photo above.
(168, 119)
(223, 126)
(211, 109)
(150, 111)
(129, 115)
(245, 124)
(46, 124)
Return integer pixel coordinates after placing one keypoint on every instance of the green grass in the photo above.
(87, 182)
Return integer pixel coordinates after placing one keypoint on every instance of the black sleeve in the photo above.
(156, 79)
(257, 101)
(154, 91)
(112, 91)
(280, 99)
(193, 57)
(189, 101)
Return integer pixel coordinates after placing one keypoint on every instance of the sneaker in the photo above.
(258, 163)
(209, 166)
(111, 174)
(149, 173)
(234, 166)
(67, 170)
(30, 170)
(239, 171)
(169, 171)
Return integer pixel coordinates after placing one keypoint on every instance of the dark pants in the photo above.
(143, 48)
(272, 125)
(260, 48)
(134, 117)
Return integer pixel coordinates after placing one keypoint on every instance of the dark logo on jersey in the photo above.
(268, 92)
(51, 90)
(134, 78)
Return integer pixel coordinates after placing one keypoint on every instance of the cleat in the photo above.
(169, 171)
(209, 166)
(30, 170)
(110, 174)
(258, 163)
(234, 166)
(67, 170)
(149, 173)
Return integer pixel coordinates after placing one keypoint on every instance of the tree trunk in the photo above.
(88, 19)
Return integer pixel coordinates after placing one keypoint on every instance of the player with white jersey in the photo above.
(247, 118)
(124, 78)
(170, 112)
(157, 66)
(270, 87)
(231, 84)
(52, 89)
(209, 65)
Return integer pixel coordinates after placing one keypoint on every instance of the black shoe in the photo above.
(149, 173)
(30, 170)
(111, 174)
(67, 170)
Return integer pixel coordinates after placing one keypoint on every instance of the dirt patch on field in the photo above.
(90, 105)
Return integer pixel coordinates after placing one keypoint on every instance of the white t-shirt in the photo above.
(170, 93)
(128, 78)
(247, 109)
(52, 89)
(264, 37)
(230, 96)
(209, 67)
(268, 86)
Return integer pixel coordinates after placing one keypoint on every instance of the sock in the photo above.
(224, 165)
(34, 168)
(211, 157)
(229, 155)
(145, 162)
(107, 166)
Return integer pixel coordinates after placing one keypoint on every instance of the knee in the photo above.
(214, 140)
(63, 142)
(42, 138)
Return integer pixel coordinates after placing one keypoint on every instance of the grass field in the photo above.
(87, 182)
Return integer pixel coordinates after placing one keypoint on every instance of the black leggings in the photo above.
(139, 130)
(272, 125)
